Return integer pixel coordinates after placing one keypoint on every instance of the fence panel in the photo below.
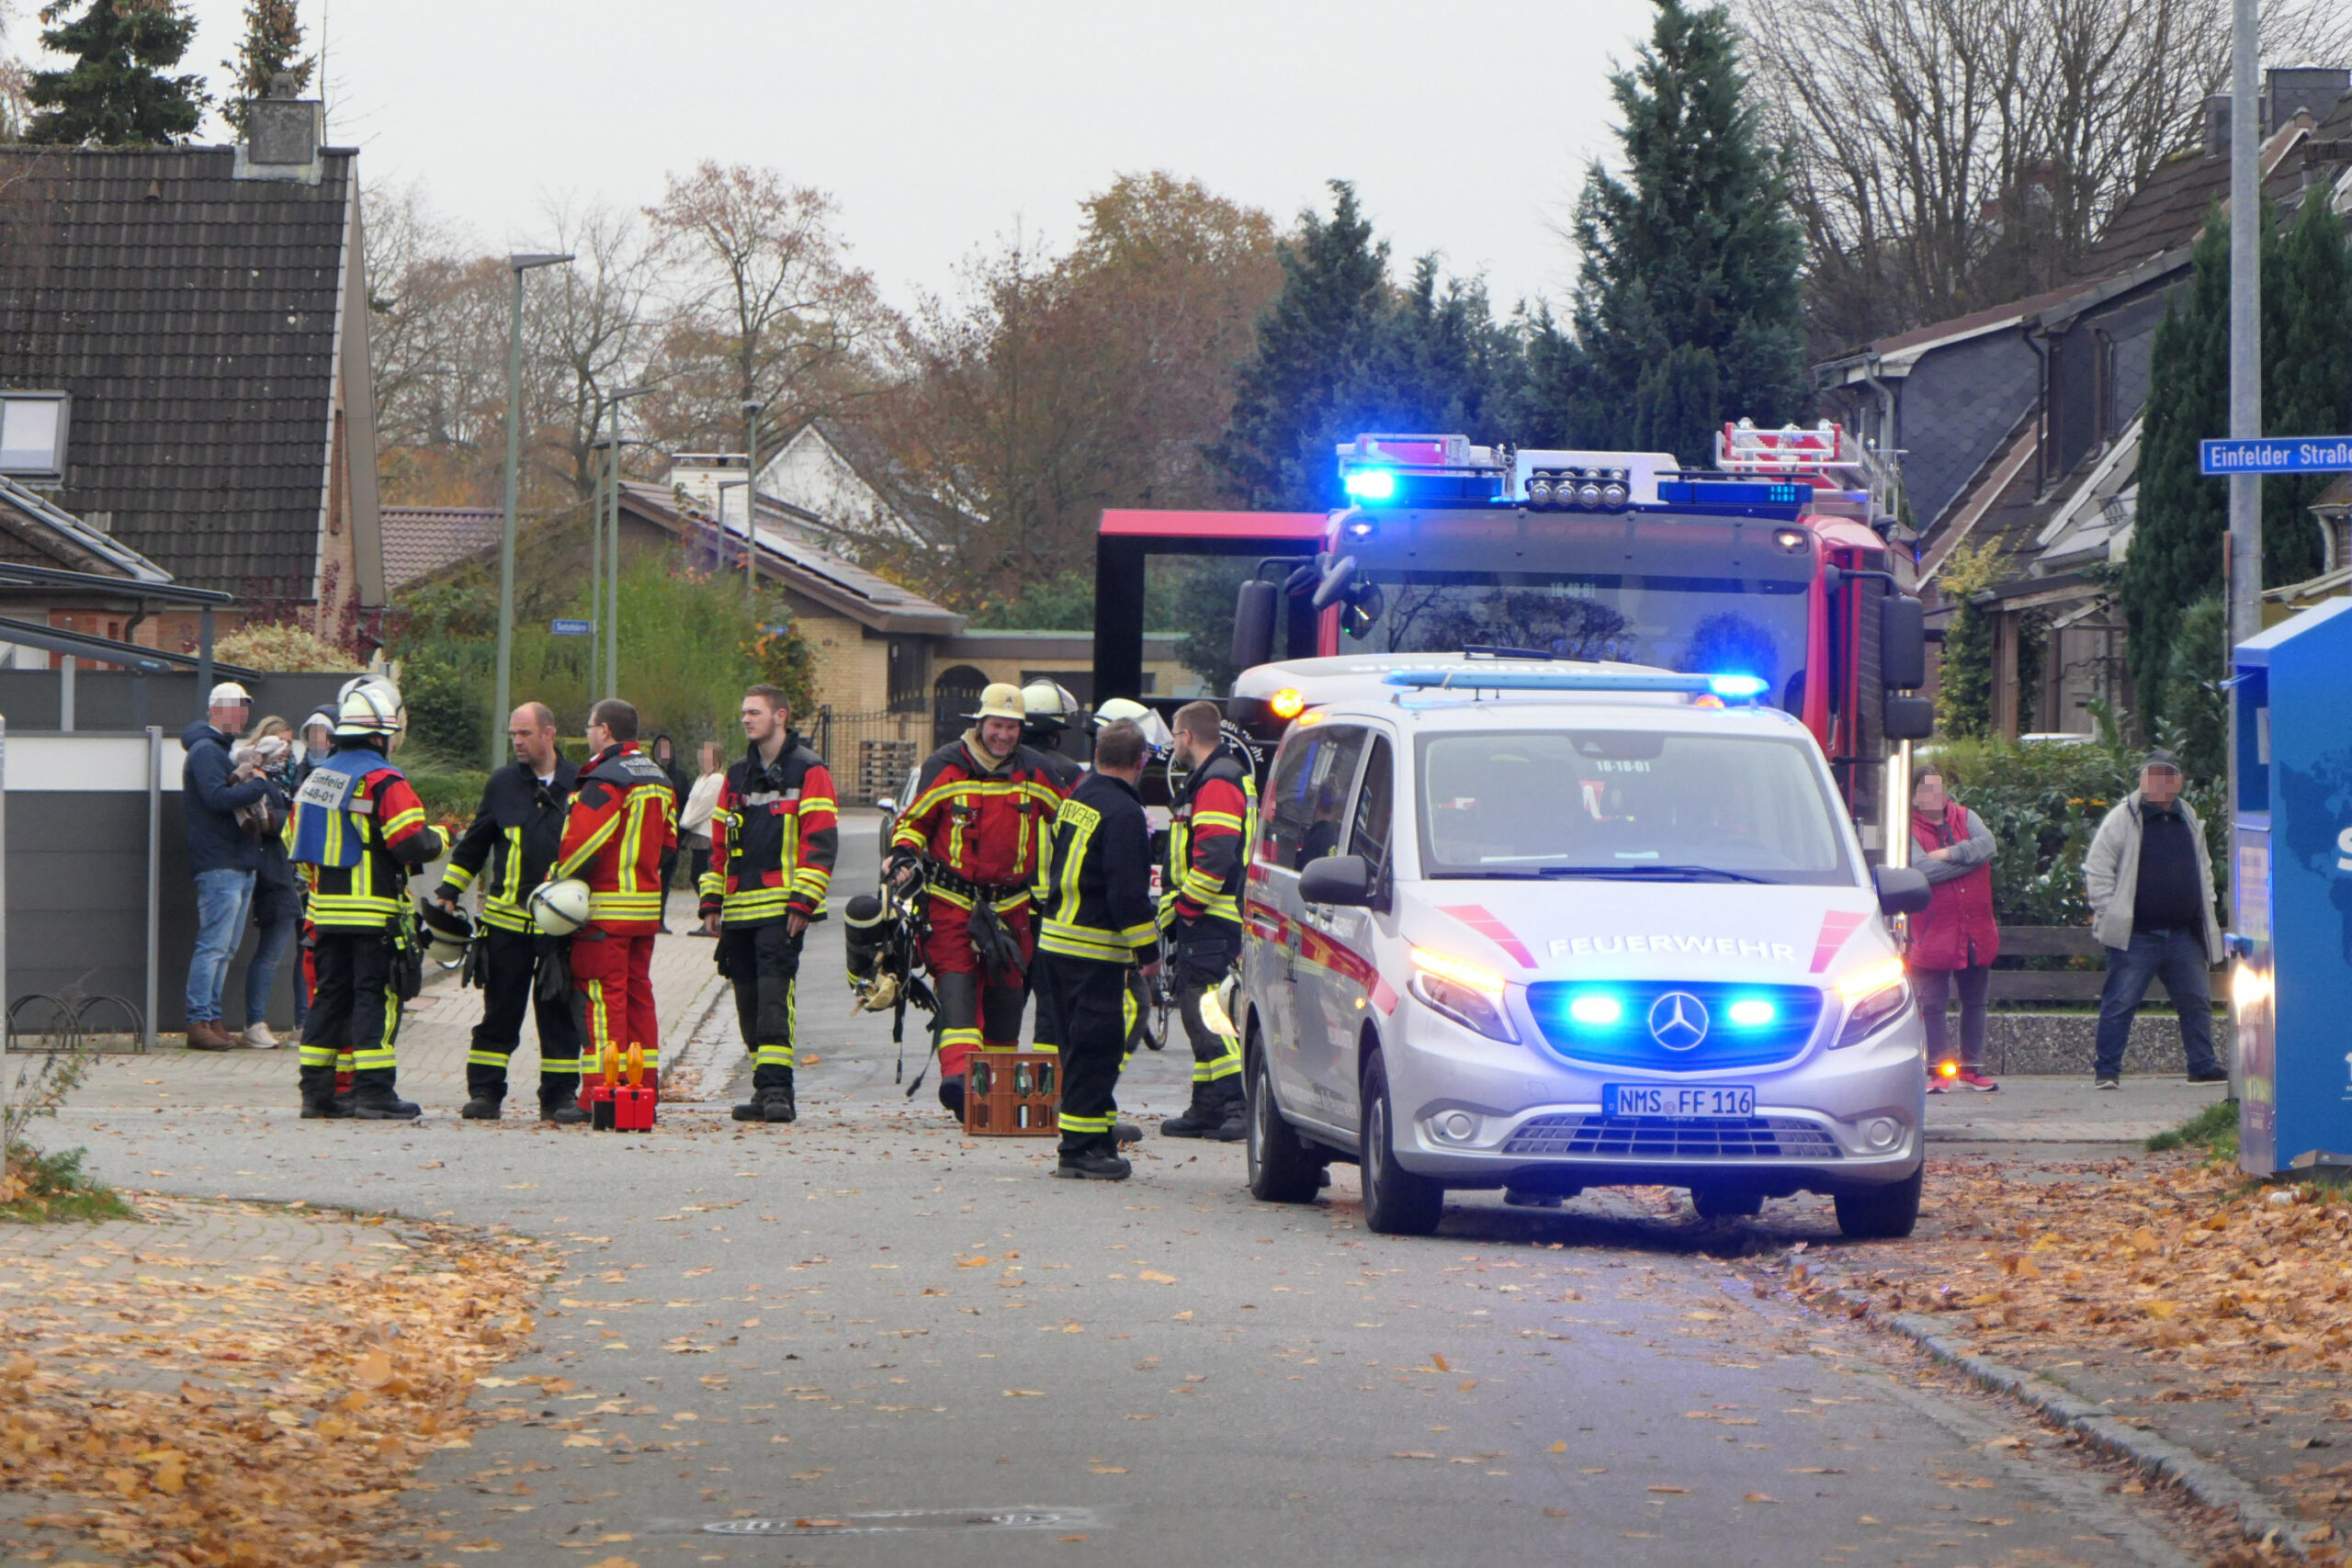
(870, 754)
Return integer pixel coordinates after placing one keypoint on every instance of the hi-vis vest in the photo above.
(331, 823)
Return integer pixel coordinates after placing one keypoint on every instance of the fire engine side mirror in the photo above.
(1255, 610)
(1901, 643)
(1908, 718)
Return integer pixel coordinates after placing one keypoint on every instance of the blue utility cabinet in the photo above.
(2291, 983)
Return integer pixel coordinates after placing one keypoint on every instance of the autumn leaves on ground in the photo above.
(164, 1407)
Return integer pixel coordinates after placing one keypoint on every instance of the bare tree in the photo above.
(1954, 154)
(586, 329)
(437, 335)
(767, 307)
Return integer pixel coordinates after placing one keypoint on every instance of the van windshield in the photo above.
(1627, 805)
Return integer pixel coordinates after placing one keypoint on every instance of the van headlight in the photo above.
(1872, 996)
(1466, 993)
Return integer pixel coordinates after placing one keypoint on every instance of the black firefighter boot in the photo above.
(319, 1103)
(770, 1102)
(486, 1092)
(1092, 1162)
(374, 1098)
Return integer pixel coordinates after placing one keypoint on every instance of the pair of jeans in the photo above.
(269, 951)
(2178, 956)
(224, 902)
(1935, 987)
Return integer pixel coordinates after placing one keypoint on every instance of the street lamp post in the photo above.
(751, 494)
(2244, 561)
(518, 264)
(613, 575)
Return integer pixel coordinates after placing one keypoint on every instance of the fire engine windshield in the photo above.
(1627, 805)
(1709, 625)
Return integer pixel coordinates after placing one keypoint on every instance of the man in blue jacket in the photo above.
(221, 853)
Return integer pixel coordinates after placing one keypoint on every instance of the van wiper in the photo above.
(1661, 872)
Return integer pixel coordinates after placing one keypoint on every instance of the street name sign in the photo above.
(571, 628)
(2277, 455)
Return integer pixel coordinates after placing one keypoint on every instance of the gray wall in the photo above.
(1953, 410)
(111, 699)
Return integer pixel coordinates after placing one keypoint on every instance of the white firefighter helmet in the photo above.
(559, 908)
(370, 705)
(1049, 702)
(1156, 733)
(1000, 699)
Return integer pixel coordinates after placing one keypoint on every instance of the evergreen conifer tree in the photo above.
(2181, 516)
(273, 43)
(2308, 376)
(1687, 307)
(115, 93)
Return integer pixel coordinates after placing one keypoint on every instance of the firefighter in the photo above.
(512, 841)
(772, 839)
(1047, 710)
(1210, 817)
(975, 835)
(622, 820)
(358, 828)
(1099, 924)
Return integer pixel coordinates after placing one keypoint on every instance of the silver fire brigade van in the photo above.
(1543, 925)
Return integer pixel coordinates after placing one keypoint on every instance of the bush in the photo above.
(2043, 804)
(283, 647)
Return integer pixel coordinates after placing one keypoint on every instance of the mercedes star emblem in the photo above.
(1677, 1020)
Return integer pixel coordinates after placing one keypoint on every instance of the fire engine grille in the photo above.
(1673, 1138)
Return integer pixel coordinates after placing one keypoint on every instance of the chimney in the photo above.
(2303, 89)
(282, 134)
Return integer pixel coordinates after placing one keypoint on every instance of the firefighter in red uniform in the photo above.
(773, 838)
(977, 833)
(623, 820)
(359, 828)
(1211, 819)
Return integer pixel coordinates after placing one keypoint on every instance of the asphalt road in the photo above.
(848, 1341)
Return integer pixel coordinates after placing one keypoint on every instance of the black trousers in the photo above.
(1201, 953)
(1084, 1002)
(511, 962)
(764, 963)
(353, 1009)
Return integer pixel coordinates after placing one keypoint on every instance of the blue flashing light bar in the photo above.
(1372, 484)
(1472, 677)
(1598, 1009)
(1771, 496)
(1752, 1012)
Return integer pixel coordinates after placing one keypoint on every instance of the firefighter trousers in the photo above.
(1202, 954)
(355, 1008)
(763, 963)
(612, 983)
(1085, 1003)
(511, 962)
(976, 1011)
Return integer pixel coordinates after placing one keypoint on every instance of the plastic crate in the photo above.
(1013, 1094)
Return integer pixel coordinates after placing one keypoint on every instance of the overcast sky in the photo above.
(940, 126)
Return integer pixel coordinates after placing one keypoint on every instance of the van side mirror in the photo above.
(1338, 879)
(1255, 608)
(1901, 890)
(1908, 718)
(1901, 643)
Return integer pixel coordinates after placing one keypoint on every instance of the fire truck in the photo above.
(1774, 566)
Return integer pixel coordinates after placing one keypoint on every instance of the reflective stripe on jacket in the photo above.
(1100, 879)
(773, 835)
(623, 820)
(982, 820)
(359, 827)
(1212, 818)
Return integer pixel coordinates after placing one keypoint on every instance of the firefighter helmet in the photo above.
(448, 933)
(559, 908)
(1000, 699)
(1156, 733)
(370, 705)
(1049, 702)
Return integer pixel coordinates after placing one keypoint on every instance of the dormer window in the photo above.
(32, 436)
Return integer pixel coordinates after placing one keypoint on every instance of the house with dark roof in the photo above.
(421, 540)
(2018, 426)
(184, 363)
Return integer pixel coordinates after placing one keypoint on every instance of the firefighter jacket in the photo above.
(1099, 884)
(1063, 768)
(981, 824)
(624, 817)
(773, 838)
(358, 828)
(1210, 823)
(512, 841)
